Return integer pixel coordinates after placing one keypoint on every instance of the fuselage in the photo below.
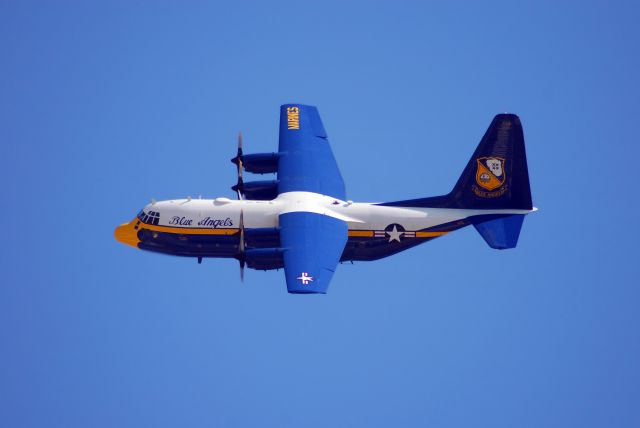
(211, 227)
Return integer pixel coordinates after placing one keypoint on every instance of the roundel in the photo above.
(394, 232)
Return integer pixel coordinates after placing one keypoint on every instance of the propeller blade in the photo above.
(238, 162)
(241, 247)
(238, 188)
(239, 154)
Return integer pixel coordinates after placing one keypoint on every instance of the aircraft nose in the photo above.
(127, 234)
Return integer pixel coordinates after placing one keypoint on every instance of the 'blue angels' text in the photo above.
(205, 222)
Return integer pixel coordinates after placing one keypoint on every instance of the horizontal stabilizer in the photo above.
(500, 232)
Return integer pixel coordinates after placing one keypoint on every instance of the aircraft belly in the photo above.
(190, 245)
(358, 249)
(388, 235)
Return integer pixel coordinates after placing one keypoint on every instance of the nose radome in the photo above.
(127, 234)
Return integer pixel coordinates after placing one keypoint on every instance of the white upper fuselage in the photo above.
(222, 213)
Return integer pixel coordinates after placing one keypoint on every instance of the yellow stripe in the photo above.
(202, 231)
(429, 234)
(188, 230)
(368, 233)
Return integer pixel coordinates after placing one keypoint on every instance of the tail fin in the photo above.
(495, 178)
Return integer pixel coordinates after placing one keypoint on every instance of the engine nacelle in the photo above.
(258, 190)
(261, 163)
(262, 237)
(265, 258)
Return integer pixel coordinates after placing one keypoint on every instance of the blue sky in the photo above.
(104, 106)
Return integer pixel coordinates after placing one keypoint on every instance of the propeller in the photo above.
(238, 162)
(241, 247)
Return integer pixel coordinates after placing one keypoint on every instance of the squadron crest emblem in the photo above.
(490, 173)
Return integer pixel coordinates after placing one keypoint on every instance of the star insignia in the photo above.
(394, 235)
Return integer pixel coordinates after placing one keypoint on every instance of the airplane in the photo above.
(302, 221)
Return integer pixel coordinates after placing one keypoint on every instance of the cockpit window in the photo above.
(151, 217)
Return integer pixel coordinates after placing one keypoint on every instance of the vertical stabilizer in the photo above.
(496, 176)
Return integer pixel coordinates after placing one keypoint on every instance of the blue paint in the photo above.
(264, 258)
(306, 160)
(263, 190)
(260, 163)
(313, 244)
(502, 232)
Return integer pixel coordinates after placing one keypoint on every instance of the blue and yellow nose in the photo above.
(127, 233)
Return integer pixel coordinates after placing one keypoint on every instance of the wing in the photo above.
(306, 162)
(313, 244)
